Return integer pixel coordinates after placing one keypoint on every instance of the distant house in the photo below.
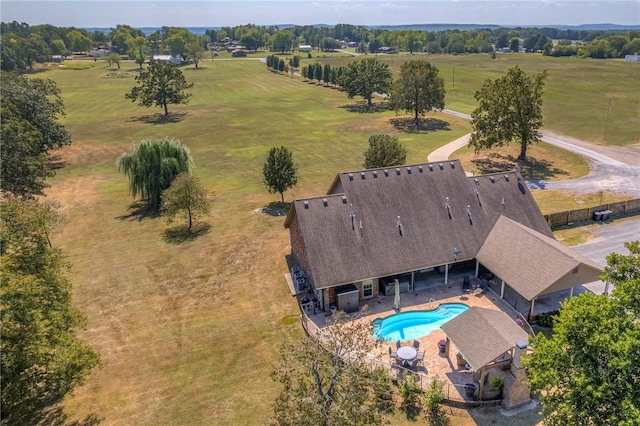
(175, 60)
(238, 53)
(386, 49)
(632, 58)
(414, 223)
(305, 48)
(98, 53)
(57, 58)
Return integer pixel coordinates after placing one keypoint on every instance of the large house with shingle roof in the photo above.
(375, 226)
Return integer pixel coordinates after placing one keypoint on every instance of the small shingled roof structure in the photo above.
(532, 263)
(482, 335)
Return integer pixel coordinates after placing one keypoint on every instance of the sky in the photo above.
(187, 13)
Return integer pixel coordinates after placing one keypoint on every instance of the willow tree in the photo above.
(509, 110)
(419, 89)
(152, 165)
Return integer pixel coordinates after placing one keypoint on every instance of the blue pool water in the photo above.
(415, 324)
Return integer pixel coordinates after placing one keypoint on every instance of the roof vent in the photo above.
(306, 204)
(430, 167)
(453, 165)
(361, 232)
(344, 200)
(408, 170)
(399, 225)
(476, 181)
(362, 175)
(352, 215)
(375, 174)
(448, 207)
(386, 172)
(398, 171)
(325, 202)
(492, 179)
(506, 177)
(420, 169)
(441, 166)
(350, 176)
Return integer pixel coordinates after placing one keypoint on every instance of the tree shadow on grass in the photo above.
(54, 416)
(362, 107)
(533, 170)
(277, 208)
(140, 211)
(173, 117)
(180, 234)
(408, 124)
(56, 162)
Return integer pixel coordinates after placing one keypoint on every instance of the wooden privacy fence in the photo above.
(590, 213)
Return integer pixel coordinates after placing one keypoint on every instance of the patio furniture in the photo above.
(392, 353)
(416, 344)
(420, 357)
(478, 291)
(407, 354)
(398, 344)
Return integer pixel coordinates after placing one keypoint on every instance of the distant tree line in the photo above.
(23, 45)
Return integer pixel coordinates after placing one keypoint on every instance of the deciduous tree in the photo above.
(152, 165)
(419, 89)
(137, 49)
(588, 371)
(282, 40)
(186, 197)
(366, 77)
(384, 151)
(30, 129)
(160, 85)
(194, 50)
(113, 59)
(510, 109)
(327, 380)
(41, 357)
(279, 172)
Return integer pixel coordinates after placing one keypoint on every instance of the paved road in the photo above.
(606, 173)
(610, 239)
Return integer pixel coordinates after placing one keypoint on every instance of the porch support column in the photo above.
(412, 282)
(571, 292)
(477, 267)
(502, 290)
(533, 303)
(483, 375)
(446, 273)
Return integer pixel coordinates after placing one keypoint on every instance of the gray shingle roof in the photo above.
(339, 254)
(481, 335)
(532, 263)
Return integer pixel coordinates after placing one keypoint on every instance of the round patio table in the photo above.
(407, 353)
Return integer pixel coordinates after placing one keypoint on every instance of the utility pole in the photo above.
(454, 76)
(606, 120)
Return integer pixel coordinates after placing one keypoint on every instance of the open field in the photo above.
(576, 96)
(188, 332)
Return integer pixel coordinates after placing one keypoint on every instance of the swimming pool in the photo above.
(415, 324)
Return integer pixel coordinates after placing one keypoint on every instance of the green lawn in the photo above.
(576, 96)
(188, 332)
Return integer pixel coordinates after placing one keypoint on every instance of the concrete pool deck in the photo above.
(434, 365)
